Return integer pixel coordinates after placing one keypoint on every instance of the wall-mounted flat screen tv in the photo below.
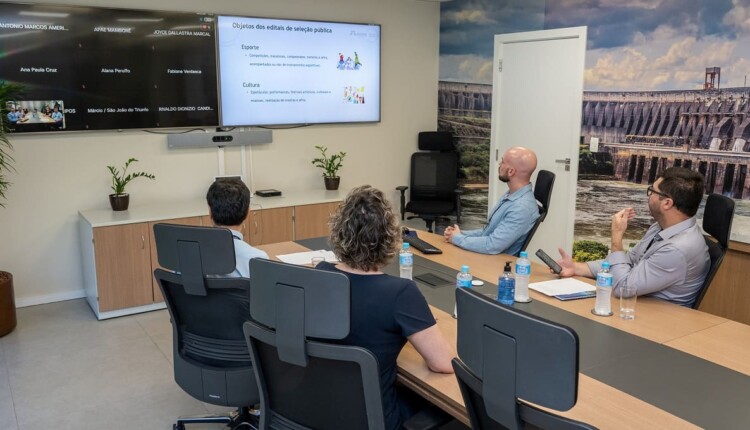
(88, 68)
(275, 71)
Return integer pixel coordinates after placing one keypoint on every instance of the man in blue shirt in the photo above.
(13, 116)
(57, 116)
(514, 214)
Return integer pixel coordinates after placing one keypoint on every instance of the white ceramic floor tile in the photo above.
(7, 412)
(155, 323)
(97, 376)
(164, 343)
(150, 411)
(65, 327)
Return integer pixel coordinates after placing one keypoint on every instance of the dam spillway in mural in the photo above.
(647, 132)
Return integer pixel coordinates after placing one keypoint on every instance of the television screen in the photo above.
(274, 71)
(96, 69)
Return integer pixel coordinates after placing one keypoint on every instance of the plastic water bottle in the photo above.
(405, 262)
(523, 271)
(603, 306)
(506, 286)
(463, 280)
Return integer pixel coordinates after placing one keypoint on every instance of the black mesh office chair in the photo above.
(307, 380)
(434, 180)
(211, 359)
(545, 181)
(304, 383)
(507, 357)
(717, 222)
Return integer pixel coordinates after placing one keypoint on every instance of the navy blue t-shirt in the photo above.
(385, 311)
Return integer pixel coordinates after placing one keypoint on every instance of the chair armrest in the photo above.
(402, 188)
(428, 418)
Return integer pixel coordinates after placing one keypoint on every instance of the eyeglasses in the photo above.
(650, 190)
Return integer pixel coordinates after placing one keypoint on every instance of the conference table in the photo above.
(670, 367)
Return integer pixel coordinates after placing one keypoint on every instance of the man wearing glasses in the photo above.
(671, 261)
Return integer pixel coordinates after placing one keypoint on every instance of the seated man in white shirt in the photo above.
(671, 261)
(228, 205)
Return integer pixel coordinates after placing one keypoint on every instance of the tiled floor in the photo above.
(62, 369)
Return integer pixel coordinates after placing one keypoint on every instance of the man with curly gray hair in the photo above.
(386, 310)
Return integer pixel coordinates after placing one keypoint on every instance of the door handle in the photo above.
(566, 162)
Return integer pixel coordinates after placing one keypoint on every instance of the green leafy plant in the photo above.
(8, 92)
(588, 250)
(330, 165)
(120, 180)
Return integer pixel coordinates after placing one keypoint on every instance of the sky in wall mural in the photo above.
(649, 101)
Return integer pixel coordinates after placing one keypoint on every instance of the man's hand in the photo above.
(450, 231)
(619, 226)
(567, 264)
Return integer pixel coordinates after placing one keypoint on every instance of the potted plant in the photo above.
(330, 166)
(120, 199)
(9, 92)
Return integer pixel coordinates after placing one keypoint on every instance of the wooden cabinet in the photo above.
(312, 220)
(275, 225)
(195, 220)
(118, 249)
(123, 266)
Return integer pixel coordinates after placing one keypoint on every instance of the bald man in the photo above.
(514, 214)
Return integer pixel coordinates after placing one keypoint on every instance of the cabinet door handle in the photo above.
(143, 242)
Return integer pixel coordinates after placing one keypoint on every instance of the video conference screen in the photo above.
(101, 69)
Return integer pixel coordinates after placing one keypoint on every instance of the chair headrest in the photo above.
(299, 302)
(435, 141)
(717, 218)
(544, 353)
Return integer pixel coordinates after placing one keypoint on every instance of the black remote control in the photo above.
(552, 264)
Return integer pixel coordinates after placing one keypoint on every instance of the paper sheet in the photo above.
(561, 286)
(305, 258)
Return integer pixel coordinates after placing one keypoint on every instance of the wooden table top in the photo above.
(712, 338)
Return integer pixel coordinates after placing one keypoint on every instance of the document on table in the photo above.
(562, 286)
(305, 258)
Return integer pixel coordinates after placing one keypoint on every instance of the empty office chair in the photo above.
(434, 180)
(545, 181)
(307, 380)
(211, 359)
(717, 222)
(507, 357)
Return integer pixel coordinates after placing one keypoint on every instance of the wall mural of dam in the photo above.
(647, 132)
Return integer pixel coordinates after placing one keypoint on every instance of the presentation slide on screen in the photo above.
(297, 72)
(112, 68)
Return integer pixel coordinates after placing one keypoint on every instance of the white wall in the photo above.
(61, 174)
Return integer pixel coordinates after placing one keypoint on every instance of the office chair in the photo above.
(545, 181)
(506, 358)
(307, 380)
(211, 359)
(434, 180)
(717, 222)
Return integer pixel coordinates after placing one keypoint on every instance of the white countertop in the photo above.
(198, 207)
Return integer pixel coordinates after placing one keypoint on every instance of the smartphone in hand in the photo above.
(552, 264)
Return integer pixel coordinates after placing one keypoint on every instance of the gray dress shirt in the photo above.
(672, 268)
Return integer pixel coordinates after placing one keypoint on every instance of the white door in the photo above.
(536, 103)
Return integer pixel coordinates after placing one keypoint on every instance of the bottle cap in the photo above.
(605, 264)
(465, 269)
(507, 266)
(524, 254)
(406, 246)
